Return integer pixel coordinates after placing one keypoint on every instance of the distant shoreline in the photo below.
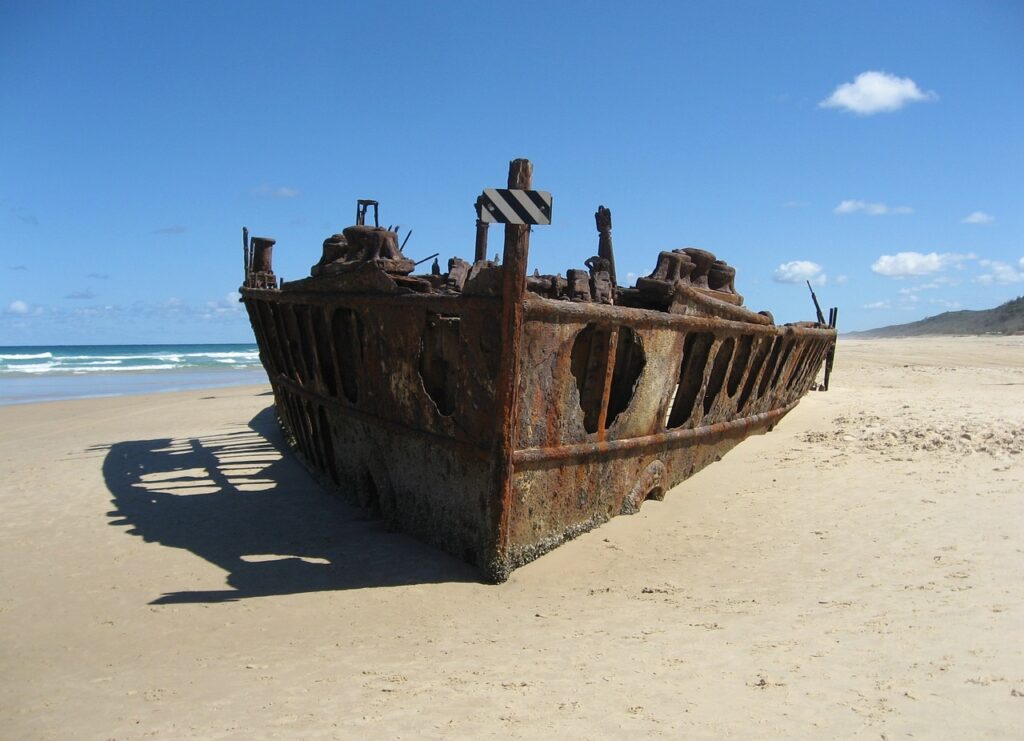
(1004, 320)
(60, 372)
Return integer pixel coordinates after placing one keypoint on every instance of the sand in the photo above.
(165, 573)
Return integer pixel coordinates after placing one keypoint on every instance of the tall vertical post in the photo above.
(833, 317)
(603, 217)
(246, 256)
(513, 290)
(480, 253)
(817, 306)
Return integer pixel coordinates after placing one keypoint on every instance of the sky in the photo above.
(872, 148)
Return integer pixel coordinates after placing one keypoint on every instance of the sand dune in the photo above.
(166, 572)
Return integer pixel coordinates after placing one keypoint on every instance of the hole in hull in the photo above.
(589, 365)
(323, 351)
(347, 330)
(718, 370)
(739, 364)
(271, 337)
(764, 346)
(326, 440)
(769, 369)
(691, 376)
(780, 369)
(439, 357)
(629, 364)
(306, 341)
(588, 354)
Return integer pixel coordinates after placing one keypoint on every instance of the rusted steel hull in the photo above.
(498, 415)
(397, 401)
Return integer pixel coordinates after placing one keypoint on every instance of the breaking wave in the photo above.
(21, 356)
(84, 359)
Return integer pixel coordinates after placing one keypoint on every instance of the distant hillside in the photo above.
(1005, 319)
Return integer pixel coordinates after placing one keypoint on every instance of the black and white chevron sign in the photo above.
(504, 206)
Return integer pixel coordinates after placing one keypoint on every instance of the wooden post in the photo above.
(513, 290)
(517, 237)
(480, 252)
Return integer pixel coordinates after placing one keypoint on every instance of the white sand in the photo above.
(855, 573)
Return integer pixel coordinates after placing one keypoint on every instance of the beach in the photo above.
(167, 570)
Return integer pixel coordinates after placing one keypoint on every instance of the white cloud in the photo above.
(223, 307)
(798, 271)
(1000, 272)
(225, 310)
(938, 282)
(915, 263)
(978, 217)
(875, 92)
(871, 209)
(908, 298)
(841, 280)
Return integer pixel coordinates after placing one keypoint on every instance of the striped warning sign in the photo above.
(504, 206)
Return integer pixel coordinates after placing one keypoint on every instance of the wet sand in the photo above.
(165, 572)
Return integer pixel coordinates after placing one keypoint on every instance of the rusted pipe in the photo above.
(480, 248)
(671, 438)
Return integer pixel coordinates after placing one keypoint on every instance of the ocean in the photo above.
(56, 372)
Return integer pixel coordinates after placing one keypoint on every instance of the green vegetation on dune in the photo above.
(1005, 319)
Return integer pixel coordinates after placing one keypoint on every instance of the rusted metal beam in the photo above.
(603, 218)
(830, 358)
(513, 289)
(644, 319)
(431, 301)
(606, 387)
(480, 246)
(647, 443)
(246, 259)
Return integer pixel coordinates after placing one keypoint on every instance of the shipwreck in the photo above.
(497, 414)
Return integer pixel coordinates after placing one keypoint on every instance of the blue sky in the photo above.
(875, 148)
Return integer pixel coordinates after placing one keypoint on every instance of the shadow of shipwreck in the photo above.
(238, 501)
